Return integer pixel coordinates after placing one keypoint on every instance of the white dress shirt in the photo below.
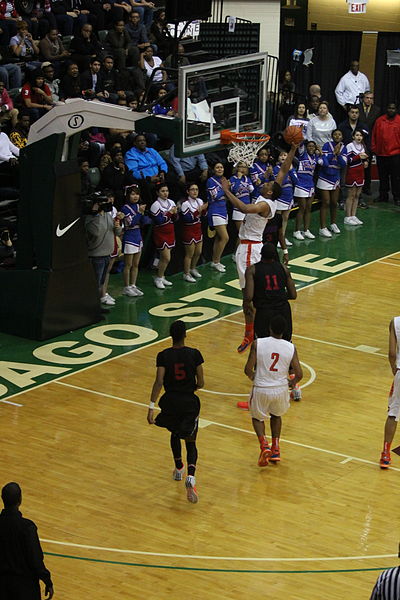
(7, 148)
(350, 87)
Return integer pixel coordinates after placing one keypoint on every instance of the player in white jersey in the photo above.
(268, 367)
(394, 395)
(251, 230)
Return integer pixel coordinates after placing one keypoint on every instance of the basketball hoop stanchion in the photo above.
(245, 145)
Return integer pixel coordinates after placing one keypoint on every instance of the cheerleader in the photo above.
(260, 171)
(241, 187)
(308, 157)
(357, 161)
(285, 201)
(132, 241)
(163, 212)
(334, 157)
(191, 211)
(217, 215)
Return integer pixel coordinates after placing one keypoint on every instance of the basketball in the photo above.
(293, 135)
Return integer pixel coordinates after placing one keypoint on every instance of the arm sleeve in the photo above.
(133, 164)
(198, 358)
(35, 555)
(201, 160)
(160, 362)
(342, 157)
(13, 148)
(157, 214)
(339, 92)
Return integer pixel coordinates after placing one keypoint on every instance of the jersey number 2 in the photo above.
(179, 370)
(270, 286)
(275, 358)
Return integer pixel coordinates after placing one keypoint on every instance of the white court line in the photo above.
(382, 262)
(205, 557)
(313, 377)
(13, 403)
(303, 337)
(224, 426)
(157, 341)
(346, 460)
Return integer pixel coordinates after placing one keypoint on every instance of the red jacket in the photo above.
(5, 100)
(3, 8)
(386, 136)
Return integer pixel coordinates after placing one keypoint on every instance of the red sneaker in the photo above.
(275, 455)
(243, 405)
(385, 460)
(246, 342)
(263, 459)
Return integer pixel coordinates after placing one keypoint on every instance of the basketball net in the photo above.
(245, 145)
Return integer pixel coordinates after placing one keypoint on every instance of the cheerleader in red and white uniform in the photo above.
(192, 236)
(357, 161)
(163, 212)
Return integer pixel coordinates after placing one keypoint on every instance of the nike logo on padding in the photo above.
(60, 231)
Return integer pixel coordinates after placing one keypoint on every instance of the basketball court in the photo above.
(96, 477)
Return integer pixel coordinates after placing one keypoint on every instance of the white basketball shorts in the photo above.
(265, 401)
(247, 254)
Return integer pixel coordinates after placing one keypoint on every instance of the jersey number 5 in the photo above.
(275, 358)
(179, 370)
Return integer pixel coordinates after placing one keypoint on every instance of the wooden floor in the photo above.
(97, 478)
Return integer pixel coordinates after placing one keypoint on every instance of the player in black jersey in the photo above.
(180, 371)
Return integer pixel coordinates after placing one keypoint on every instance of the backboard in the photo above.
(228, 93)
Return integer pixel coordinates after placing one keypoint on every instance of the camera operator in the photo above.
(100, 230)
(7, 253)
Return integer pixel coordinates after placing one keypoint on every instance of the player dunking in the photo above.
(180, 370)
(252, 228)
(394, 396)
(268, 367)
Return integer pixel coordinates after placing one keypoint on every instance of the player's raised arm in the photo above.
(285, 168)
(155, 392)
(261, 207)
(392, 347)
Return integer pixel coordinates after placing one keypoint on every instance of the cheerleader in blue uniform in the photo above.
(132, 242)
(308, 157)
(217, 215)
(285, 201)
(334, 157)
(260, 171)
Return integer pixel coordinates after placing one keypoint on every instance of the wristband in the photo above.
(286, 251)
(151, 405)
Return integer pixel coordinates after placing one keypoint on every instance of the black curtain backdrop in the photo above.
(333, 52)
(387, 79)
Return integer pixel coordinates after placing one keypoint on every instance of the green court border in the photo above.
(207, 570)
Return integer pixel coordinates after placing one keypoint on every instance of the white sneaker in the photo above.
(335, 228)
(324, 232)
(195, 273)
(158, 282)
(189, 277)
(137, 290)
(348, 221)
(307, 234)
(166, 282)
(177, 474)
(218, 267)
(107, 301)
(107, 295)
(357, 221)
(298, 235)
(129, 291)
(288, 243)
(191, 491)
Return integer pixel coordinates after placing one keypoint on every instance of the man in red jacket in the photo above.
(386, 145)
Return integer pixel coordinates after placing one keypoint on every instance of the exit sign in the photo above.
(357, 8)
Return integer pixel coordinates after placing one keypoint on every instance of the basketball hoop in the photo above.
(245, 145)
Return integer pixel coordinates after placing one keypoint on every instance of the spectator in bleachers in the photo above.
(70, 84)
(351, 86)
(315, 90)
(52, 49)
(36, 96)
(52, 83)
(299, 118)
(19, 135)
(92, 82)
(116, 176)
(84, 167)
(190, 169)
(137, 32)
(162, 108)
(159, 34)
(112, 80)
(369, 112)
(8, 20)
(147, 167)
(10, 74)
(145, 10)
(312, 108)
(24, 47)
(151, 65)
(45, 17)
(182, 60)
(353, 122)
(321, 126)
(84, 47)
(65, 18)
(119, 43)
(386, 146)
(7, 111)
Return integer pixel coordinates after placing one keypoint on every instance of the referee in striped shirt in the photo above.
(387, 586)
